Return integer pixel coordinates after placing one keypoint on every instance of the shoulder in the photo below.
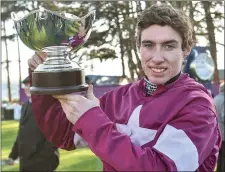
(188, 84)
(193, 88)
(192, 92)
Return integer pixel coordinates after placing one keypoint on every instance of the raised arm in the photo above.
(49, 114)
(52, 121)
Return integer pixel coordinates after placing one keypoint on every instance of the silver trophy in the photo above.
(203, 67)
(59, 35)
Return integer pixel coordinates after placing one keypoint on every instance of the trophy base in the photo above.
(58, 82)
(57, 91)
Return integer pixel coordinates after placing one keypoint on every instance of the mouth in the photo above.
(158, 69)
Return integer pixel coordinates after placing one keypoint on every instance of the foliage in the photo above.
(114, 27)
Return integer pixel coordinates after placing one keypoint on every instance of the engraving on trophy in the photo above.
(59, 35)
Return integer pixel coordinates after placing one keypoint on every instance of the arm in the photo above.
(182, 145)
(52, 120)
(49, 114)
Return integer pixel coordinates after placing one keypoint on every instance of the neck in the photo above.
(173, 79)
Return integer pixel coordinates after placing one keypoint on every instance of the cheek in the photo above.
(144, 55)
(176, 62)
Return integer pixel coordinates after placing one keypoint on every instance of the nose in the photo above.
(157, 56)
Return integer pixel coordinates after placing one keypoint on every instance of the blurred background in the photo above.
(110, 56)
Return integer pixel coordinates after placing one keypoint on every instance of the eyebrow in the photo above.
(164, 42)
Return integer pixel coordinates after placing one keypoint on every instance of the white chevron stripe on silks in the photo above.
(178, 146)
(172, 142)
(138, 135)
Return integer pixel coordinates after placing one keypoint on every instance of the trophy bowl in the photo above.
(59, 35)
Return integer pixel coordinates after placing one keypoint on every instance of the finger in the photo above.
(38, 59)
(63, 97)
(90, 95)
(69, 97)
(82, 93)
(42, 55)
(32, 63)
(65, 106)
(69, 107)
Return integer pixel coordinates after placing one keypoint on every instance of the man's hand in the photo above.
(75, 106)
(36, 59)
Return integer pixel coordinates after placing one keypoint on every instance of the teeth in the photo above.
(158, 70)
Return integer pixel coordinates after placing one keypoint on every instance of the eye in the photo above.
(148, 45)
(169, 47)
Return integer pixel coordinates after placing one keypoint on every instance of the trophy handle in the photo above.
(87, 21)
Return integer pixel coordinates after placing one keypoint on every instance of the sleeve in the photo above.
(182, 145)
(192, 139)
(52, 120)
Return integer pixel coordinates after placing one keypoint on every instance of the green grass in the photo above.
(76, 160)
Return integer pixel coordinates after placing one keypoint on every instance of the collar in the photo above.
(150, 88)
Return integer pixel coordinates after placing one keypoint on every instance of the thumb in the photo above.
(90, 95)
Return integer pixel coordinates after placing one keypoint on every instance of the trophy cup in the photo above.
(59, 35)
(203, 67)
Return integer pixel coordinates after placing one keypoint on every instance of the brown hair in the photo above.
(167, 15)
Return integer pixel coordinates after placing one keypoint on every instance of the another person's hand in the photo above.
(75, 106)
(36, 59)
(10, 161)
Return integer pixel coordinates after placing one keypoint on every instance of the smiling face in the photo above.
(161, 53)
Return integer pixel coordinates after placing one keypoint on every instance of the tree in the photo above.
(211, 36)
(7, 63)
(114, 28)
(7, 8)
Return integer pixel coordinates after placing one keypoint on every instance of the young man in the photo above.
(164, 122)
(34, 151)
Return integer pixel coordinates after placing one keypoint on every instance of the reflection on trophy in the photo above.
(59, 35)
